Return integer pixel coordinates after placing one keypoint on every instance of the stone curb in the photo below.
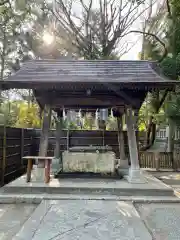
(37, 199)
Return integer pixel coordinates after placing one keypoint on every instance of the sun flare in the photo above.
(48, 38)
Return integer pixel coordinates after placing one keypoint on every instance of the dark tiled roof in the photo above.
(57, 71)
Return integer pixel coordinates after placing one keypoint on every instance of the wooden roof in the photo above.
(89, 84)
(55, 72)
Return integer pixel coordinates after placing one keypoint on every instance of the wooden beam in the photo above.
(89, 101)
(134, 102)
(122, 94)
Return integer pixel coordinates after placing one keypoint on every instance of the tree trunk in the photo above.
(148, 135)
(153, 133)
(2, 66)
(171, 137)
(151, 130)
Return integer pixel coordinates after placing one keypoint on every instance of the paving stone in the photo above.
(12, 217)
(163, 220)
(31, 226)
(84, 219)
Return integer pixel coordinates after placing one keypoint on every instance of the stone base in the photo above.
(88, 186)
(122, 167)
(136, 176)
(56, 166)
(124, 163)
(123, 171)
(39, 174)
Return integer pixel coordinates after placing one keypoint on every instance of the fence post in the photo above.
(22, 146)
(103, 142)
(140, 154)
(157, 161)
(4, 156)
(174, 161)
(67, 140)
(176, 158)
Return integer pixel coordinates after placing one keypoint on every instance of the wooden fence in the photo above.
(82, 138)
(14, 143)
(161, 160)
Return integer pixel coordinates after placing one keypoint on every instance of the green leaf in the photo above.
(2, 9)
(21, 5)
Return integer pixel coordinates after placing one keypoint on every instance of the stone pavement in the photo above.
(12, 217)
(162, 220)
(90, 217)
(90, 220)
(170, 178)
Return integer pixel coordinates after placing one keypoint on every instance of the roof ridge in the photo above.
(86, 60)
(158, 73)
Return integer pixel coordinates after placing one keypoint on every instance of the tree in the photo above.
(16, 43)
(13, 16)
(165, 26)
(27, 116)
(154, 47)
(96, 29)
(112, 123)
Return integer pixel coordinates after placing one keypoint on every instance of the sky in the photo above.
(136, 43)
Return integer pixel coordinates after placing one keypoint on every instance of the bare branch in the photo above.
(163, 99)
(156, 38)
(169, 8)
(88, 12)
(134, 17)
(98, 29)
(84, 41)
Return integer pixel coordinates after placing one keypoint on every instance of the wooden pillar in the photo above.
(157, 160)
(67, 140)
(3, 161)
(43, 147)
(135, 175)
(45, 132)
(103, 140)
(57, 144)
(120, 138)
(59, 126)
(57, 162)
(118, 113)
(136, 113)
(102, 124)
(22, 147)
